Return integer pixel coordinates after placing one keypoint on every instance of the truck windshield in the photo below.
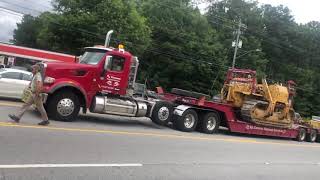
(92, 57)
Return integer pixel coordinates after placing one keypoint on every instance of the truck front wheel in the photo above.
(64, 106)
(162, 113)
(187, 122)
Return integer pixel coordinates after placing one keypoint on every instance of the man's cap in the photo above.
(36, 67)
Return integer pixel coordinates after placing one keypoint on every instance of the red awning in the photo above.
(34, 54)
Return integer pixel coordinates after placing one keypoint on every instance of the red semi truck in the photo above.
(103, 82)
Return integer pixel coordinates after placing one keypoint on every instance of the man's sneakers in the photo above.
(14, 117)
(44, 123)
(17, 119)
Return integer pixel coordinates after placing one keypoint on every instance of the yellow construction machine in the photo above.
(260, 103)
(314, 123)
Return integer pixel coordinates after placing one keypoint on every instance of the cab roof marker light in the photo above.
(121, 48)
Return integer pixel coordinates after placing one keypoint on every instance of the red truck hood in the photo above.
(60, 70)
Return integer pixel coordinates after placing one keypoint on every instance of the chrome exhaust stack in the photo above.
(108, 38)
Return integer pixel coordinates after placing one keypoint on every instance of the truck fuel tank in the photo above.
(117, 106)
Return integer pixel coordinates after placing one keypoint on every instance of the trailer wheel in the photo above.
(318, 139)
(210, 123)
(312, 137)
(64, 106)
(301, 135)
(162, 113)
(187, 122)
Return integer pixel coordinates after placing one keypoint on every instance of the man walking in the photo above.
(36, 88)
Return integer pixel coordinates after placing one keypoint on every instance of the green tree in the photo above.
(27, 32)
(224, 16)
(77, 24)
(185, 51)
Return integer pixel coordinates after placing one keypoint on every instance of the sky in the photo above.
(9, 19)
(303, 11)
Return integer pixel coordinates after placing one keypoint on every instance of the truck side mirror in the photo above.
(77, 59)
(107, 63)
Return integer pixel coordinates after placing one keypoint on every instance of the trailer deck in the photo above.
(229, 118)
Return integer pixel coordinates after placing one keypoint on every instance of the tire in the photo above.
(210, 123)
(64, 106)
(162, 113)
(312, 136)
(301, 135)
(187, 122)
(318, 139)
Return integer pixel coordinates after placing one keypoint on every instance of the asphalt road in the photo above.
(108, 147)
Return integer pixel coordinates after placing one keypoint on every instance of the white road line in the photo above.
(65, 165)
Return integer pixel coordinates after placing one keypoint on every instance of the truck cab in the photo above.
(102, 81)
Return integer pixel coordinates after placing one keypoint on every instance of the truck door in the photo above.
(115, 77)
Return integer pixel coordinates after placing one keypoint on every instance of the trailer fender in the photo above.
(179, 110)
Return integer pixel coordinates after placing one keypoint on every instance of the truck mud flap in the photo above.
(179, 110)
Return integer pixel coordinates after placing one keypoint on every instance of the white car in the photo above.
(13, 82)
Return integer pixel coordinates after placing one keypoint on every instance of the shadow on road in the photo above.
(120, 121)
(253, 136)
(146, 123)
(9, 99)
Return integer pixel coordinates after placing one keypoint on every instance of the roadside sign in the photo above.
(11, 61)
(2, 60)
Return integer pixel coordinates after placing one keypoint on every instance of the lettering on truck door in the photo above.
(114, 77)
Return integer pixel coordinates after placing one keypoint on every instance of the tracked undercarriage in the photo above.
(255, 111)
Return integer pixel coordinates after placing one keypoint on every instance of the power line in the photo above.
(269, 42)
(99, 35)
(22, 7)
(94, 34)
(265, 38)
(167, 53)
(9, 11)
(221, 18)
(32, 4)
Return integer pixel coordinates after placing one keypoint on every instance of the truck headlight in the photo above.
(49, 80)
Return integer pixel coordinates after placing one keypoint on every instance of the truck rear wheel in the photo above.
(162, 113)
(64, 106)
(301, 135)
(187, 122)
(318, 139)
(210, 123)
(312, 136)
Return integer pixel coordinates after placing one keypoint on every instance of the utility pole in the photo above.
(236, 44)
